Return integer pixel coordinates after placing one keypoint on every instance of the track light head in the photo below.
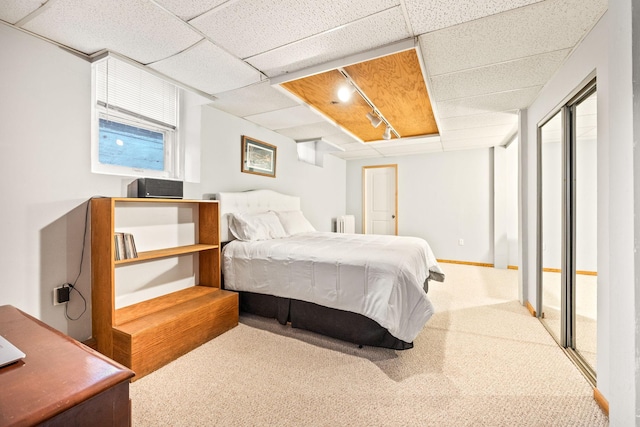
(374, 119)
(387, 133)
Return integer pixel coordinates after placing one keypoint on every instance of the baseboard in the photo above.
(581, 272)
(530, 308)
(601, 401)
(477, 264)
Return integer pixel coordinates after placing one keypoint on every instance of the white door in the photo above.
(380, 199)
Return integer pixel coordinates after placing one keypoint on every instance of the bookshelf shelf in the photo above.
(148, 334)
(168, 252)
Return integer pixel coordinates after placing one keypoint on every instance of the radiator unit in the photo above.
(346, 224)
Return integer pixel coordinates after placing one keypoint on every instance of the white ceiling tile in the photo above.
(542, 27)
(404, 150)
(375, 31)
(189, 9)
(341, 139)
(315, 130)
(431, 15)
(208, 68)
(136, 29)
(247, 101)
(461, 144)
(500, 131)
(356, 146)
(286, 118)
(12, 11)
(521, 73)
(249, 27)
(479, 120)
(361, 154)
(503, 101)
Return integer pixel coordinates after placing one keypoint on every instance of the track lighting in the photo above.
(374, 119)
(387, 133)
(375, 116)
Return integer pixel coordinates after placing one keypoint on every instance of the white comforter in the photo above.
(380, 277)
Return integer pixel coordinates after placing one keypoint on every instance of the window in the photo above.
(135, 125)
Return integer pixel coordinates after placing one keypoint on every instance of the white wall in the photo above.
(45, 142)
(442, 197)
(591, 55)
(321, 188)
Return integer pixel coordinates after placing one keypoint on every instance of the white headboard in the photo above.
(252, 201)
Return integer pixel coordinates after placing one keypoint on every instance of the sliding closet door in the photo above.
(567, 291)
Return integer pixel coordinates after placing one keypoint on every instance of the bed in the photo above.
(365, 289)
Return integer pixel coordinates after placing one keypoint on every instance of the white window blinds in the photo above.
(131, 90)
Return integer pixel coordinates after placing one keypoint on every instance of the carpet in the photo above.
(481, 360)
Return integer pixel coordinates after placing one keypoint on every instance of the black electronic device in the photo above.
(155, 188)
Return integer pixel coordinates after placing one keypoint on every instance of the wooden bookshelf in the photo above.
(150, 333)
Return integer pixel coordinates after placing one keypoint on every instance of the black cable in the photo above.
(73, 285)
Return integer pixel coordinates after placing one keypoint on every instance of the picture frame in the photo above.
(258, 157)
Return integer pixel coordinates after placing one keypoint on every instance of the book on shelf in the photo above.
(125, 246)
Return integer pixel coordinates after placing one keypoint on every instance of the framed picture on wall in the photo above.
(258, 157)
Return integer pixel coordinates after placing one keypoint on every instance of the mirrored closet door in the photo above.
(567, 290)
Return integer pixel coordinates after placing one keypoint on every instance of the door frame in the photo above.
(364, 194)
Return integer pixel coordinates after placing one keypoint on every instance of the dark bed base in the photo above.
(343, 325)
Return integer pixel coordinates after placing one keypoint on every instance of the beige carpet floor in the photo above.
(481, 360)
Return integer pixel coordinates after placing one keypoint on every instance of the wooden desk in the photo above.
(60, 381)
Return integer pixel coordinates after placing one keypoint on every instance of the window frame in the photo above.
(173, 159)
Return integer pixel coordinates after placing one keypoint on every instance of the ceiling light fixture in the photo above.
(374, 119)
(387, 133)
(345, 93)
(375, 112)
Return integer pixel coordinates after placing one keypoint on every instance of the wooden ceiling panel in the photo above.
(394, 84)
(320, 91)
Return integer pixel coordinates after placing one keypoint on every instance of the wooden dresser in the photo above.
(60, 382)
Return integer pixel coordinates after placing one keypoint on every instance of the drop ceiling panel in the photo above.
(315, 130)
(189, 9)
(479, 120)
(395, 85)
(517, 74)
(12, 11)
(473, 143)
(247, 28)
(404, 150)
(286, 118)
(138, 30)
(377, 30)
(369, 153)
(431, 15)
(542, 27)
(500, 131)
(502, 101)
(341, 139)
(208, 68)
(258, 98)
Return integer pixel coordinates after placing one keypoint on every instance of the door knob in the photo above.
(393, 217)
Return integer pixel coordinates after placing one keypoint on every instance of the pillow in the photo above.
(256, 226)
(294, 222)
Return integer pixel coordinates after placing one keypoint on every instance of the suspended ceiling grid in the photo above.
(483, 60)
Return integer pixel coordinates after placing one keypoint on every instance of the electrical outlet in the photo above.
(60, 295)
(461, 242)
